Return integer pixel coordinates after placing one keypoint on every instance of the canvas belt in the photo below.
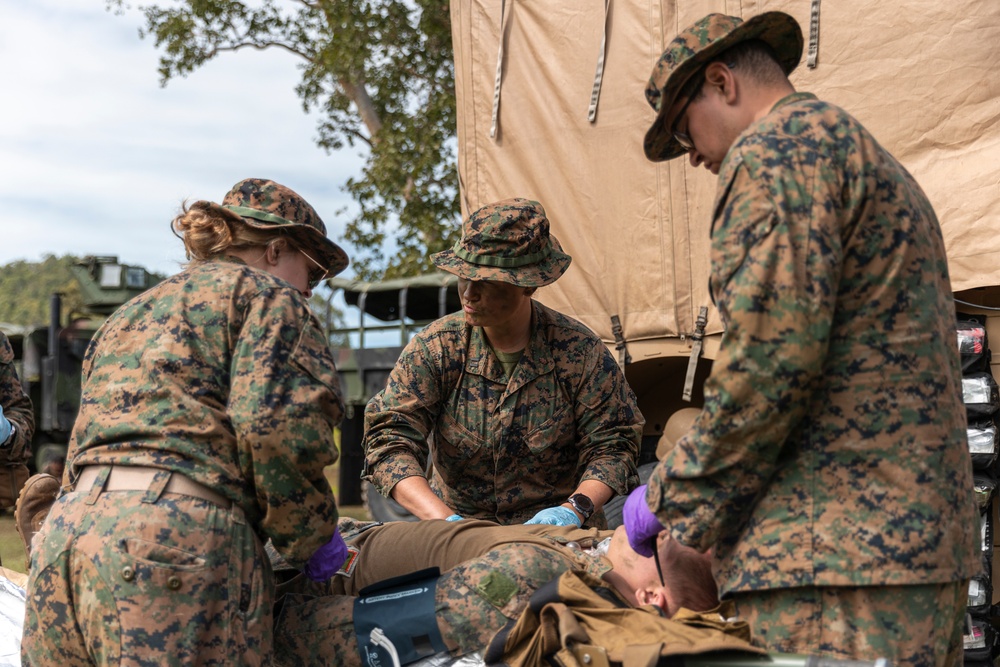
(139, 478)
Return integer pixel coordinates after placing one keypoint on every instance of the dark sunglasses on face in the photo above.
(683, 138)
(317, 273)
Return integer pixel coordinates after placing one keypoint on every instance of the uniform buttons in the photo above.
(173, 583)
(128, 574)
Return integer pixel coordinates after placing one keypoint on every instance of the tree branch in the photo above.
(260, 46)
(358, 94)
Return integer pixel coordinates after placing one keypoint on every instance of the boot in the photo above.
(33, 505)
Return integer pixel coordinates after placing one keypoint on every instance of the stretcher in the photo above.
(709, 660)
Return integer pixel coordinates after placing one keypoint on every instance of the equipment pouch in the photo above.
(982, 437)
(980, 395)
(973, 346)
(395, 620)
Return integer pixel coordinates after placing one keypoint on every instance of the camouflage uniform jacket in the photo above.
(832, 448)
(16, 408)
(221, 373)
(505, 450)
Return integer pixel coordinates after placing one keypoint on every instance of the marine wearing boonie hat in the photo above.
(264, 204)
(693, 49)
(506, 241)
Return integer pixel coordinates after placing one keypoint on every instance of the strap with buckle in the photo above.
(139, 478)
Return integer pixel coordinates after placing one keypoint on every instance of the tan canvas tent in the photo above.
(920, 74)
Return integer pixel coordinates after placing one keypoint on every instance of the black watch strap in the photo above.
(582, 504)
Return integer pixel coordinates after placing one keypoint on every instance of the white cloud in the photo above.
(96, 157)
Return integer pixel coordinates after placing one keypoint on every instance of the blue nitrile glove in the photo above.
(641, 525)
(4, 427)
(327, 560)
(454, 517)
(555, 516)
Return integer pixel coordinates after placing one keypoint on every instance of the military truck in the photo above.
(400, 308)
(49, 357)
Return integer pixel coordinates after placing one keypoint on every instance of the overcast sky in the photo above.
(96, 157)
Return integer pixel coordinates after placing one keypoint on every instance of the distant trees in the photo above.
(381, 74)
(27, 286)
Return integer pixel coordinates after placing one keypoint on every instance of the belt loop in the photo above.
(237, 514)
(98, 486)
(156, 485)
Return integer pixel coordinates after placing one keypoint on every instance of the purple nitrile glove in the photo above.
(327, 560)
(641, 525)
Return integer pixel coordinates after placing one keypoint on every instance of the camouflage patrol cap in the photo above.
(264, 204)
(507, 241)
(694, 48)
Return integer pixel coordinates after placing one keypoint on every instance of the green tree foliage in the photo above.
(27, 286)
(380, 73)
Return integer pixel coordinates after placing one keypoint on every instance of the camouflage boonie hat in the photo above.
(507, 241)
(264, 204)
(694, 48)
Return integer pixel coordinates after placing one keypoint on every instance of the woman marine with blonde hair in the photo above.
(206, 420)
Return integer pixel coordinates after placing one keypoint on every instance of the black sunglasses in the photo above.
(683, 138)
(317, 273)
(656, 559)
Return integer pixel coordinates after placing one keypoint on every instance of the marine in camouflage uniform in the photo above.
(218, 380)
(506, 446)
(15, 452)
(829, 469)
(489, 574)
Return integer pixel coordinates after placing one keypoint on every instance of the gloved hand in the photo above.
(555, 516)
(4, 427)
(641, 525)
(327, 560)
(454, 517)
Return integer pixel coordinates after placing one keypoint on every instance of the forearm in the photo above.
(598, 492)
(609, 426)
(415, 494)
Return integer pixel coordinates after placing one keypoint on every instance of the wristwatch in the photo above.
(582, 504)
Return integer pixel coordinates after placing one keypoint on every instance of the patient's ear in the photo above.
(657, 596)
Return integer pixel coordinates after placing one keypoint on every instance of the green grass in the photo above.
(12, 552)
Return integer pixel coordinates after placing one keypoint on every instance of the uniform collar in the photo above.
(535, 361)
(790, 99)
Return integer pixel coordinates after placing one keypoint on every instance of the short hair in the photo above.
(688, 575)
(756, 59)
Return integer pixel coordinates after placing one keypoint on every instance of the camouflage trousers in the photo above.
(140, 578)
(913, 626)
(473, 601)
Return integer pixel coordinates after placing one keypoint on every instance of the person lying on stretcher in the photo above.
(488, 574)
